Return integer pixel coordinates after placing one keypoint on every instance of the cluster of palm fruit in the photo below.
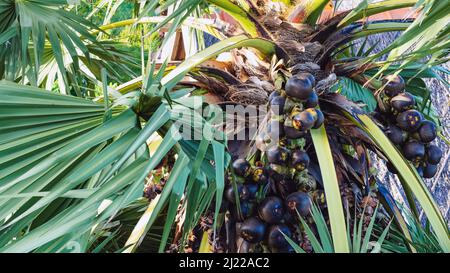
(273, 188)
(407, 128)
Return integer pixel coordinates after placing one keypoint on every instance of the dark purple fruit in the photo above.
(429, 171)
(427, 131)
(243, 193)
(312, 101)
(253, 230)
(303, 121)
(311, 78)
(414, 150)
(420, 170)
(247, 209)
(434, 154)
(241, 167)
(277, 105)
(252, 190)
(275, 237)
(273, 95)
(300, 160)
(292, 133)
(259, 175)
(396, 135)
(299, 86)
(393, 85)
(275, 129)
(403, 102)
(299, 201)
(271, 210)
(278, 155)
(409, 120)
(319, 120)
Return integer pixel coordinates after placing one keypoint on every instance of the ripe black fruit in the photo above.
(393, 85)
(396, 135)
(292, 133)
(247, 208)
(427, 131)
(300, 160)
(252, 190)
(319, 120)
(429, 171)
(276, 239)
(271, 210)
(420, 170)
(312, 101)
(414, 150)
(434, 154)
(253, 230)
(277, 105)
(299, 201)
(403, 102)
(303, 121)
(409, 120)
(243, 193)
(311, 78)
(241, 167)
(275, 129)
(273, 95)
(277, 155)
(299, 86)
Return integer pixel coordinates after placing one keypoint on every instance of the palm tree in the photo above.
(75, 157)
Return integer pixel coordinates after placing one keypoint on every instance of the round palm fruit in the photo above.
(427, 131)
(253, 230)
(273, 95)
(275, 129)
(277, 155)
(252, 190)
(259, 175)
(299, 86)
(299, 201)
(271, 210)
(403, 102)
(320, 119)
(247, 209)
(414, 150)
(311, 78)
(300, 160)
(434, 154)
(243, 193)
(312, 101)
(277, 105)
(409, 120)
(275, 237)
(396, 135)
(292, 133)
(429, 171)
(303, 121)
(241, 167)
(393, 85)
(420, 170)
